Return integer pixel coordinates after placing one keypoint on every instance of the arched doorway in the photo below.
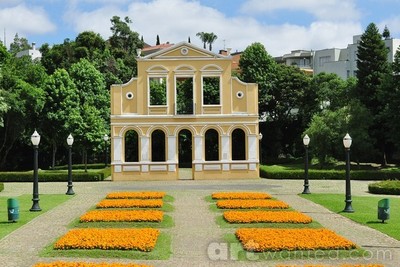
(185, 154)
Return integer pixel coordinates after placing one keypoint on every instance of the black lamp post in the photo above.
(35, 138)
(347, 143)
(105, 138)
(260, 136)
(70, 141)
(306, 142)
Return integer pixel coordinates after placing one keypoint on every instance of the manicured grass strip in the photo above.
(341, 265)
(365, 210)
(132, 194)
(109, 239)
(262, 216)
(130, 203)
(240, 195)
(270, 239)
(47, 202)
(162, 251)
(236, 252)
(87, 264)
(122, 216)
(224, 224)
(252, 203)
(167, 222)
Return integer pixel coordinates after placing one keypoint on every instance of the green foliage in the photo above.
(184, 98)
(19, 44)
(391, 187)
(52, 176)
(327, 174)
(1, 187)
(95, 166)
(211, 91)
(158, 91)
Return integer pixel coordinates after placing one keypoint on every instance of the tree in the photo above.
(373, 70)
(158, 40)
(89, 45)
(19, 44)
(386, 33)
(203, 38)
(211, 37)
(61, 110)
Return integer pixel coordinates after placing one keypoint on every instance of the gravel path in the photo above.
(196, 239)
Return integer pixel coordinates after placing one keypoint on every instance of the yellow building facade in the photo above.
(184, 109)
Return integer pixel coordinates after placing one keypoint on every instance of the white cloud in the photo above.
(24, 20)
(333, 10)
(176, 20)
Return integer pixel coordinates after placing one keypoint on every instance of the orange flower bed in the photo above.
(252, 203)
(87, 264)
(130, 203)
(122, 216)
(270, 239)
(258, 216)
(108, 239)
(240, 195)
(342, 265)
(141, 195)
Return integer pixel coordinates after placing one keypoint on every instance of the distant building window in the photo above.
(348, 74)
(323, 60)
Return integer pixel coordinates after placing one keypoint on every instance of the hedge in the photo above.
(50, 176)
(1, 187)
(329, 174)
(80, 166)
(385, 187)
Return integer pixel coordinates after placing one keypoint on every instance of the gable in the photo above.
(183, 50)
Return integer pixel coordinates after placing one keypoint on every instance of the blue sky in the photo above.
(282, 26)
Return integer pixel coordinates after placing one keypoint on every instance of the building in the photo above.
(184, 109)
(33, 53)
(343, 62)
(299, 58)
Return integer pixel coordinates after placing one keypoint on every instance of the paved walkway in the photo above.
(196, 239)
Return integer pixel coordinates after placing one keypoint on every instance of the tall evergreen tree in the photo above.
(386, 33)
(373, 69)
(158, 40)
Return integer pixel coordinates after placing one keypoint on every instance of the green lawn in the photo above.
(366, 211)
(47, 202)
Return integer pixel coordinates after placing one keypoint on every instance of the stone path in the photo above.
(196, 239)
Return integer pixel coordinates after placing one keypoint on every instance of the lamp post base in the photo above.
(306, 190)
(70, 191)
(348, 208)
(35, 205)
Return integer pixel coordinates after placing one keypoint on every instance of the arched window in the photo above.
(212, 145)
(238, 145)
(131, 146)
(158, 146)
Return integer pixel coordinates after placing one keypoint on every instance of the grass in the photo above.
(365, 208)
(47, 202)
(161, 251)
(238, 253)
(167, 222)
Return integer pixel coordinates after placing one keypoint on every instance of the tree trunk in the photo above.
(53, 161)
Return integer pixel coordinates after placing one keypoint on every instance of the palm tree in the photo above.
(203, 37)
(211, 37)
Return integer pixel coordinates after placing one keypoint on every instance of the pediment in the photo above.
(183, 50)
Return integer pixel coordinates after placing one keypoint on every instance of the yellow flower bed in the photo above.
(130, 203)
(342, 265)
(122, 216)
(270, 239)
(258, 216)
(252, 203)
(87, 264)
(240, 195)
(109, 239)
(141, 195)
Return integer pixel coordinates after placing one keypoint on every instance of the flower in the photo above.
(141, 195)
(122, 216)
(240, 195)
(130, 203)
(252, 203)
(258, 216)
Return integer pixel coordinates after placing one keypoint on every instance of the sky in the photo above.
(280, 25)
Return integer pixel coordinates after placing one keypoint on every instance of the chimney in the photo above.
(33, 46)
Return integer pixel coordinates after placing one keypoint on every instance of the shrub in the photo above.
(266, 172)
(1, 187)
(80, 166)
(51, 176)
(385, 187)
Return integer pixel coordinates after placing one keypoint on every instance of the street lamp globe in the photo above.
(70, 140)
(35, 138)
(105, 137)
(347, 141)
(306, 140)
